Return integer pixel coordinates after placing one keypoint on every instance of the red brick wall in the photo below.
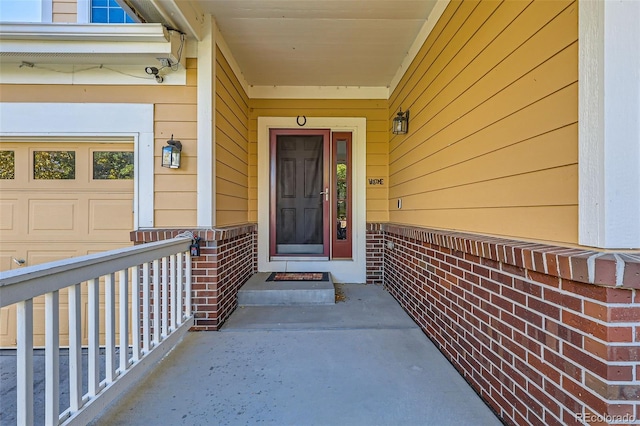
(540, 332)
(228, 258)
(375, 255)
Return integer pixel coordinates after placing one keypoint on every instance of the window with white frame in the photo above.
(108, 12)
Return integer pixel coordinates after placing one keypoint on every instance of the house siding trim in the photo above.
(609, 113)
(206, 107)
(522, 322)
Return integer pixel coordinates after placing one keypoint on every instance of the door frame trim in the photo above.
(349, 271)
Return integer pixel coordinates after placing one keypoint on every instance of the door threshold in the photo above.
(298, 258)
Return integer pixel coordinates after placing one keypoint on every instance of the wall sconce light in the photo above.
(171, 154)
(401, 123)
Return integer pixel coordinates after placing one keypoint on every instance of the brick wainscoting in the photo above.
(546, 335)
(228, 258)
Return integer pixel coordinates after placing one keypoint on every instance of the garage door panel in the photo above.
(6, 258)
(110, 215)
(5, 319)
(8, 210)
(35, 257)
(53, 216)
(8, 326)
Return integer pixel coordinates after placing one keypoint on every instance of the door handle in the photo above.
(326, 194)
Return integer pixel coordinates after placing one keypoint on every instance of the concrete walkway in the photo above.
(358, 362)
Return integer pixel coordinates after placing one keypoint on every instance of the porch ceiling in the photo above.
(318, 42)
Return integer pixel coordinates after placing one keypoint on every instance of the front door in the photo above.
(299, 193)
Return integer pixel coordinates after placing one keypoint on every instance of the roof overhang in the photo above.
(118, 44)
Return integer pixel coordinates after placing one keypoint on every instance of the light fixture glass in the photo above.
(171, 154)
(401, 123)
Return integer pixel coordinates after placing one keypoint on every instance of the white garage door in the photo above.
(61, 200)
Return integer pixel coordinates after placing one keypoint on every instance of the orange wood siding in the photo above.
(175, 113)
(493, 140)
(232, 146)
(375, 111)
(65, 11)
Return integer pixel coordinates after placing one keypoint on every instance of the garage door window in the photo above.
(54, 165)
(112, 165)
(7, 165)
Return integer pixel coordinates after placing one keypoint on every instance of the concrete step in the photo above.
(260, 292)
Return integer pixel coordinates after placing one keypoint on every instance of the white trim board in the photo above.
(317, 92)
(75, 120)
(609, 124)
(206, 107)
(347, 271)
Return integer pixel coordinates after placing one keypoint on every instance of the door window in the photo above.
(341, 241)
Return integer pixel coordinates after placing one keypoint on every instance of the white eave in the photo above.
(87, 43)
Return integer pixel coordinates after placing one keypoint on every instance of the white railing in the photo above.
(157, 279)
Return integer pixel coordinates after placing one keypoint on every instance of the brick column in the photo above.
(228, 258)
(375, 254)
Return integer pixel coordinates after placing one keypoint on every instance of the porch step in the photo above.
(260, 292)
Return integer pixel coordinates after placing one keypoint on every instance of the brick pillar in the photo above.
(228, 258)
(375, 254)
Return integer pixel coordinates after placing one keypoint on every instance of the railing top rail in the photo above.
(32, 281)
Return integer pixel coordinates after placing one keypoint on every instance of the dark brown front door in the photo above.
(299, 192)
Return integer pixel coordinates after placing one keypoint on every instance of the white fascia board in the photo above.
(84, 48)
(148, 33)
(84, 39)
(318, 92)
(81, 44)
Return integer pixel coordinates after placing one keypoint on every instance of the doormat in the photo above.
(298, 276)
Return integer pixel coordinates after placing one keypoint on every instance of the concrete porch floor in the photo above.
(358, 362)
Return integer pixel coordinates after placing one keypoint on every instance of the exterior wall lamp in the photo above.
(401, 123)
(171, 154)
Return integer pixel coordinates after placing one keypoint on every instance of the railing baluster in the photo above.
(187, 290)
(174, 296)
(169, 320)
(75, 347)
(110, 326)
(135, 313)
(179, 278)
(24, 354)
(52, 358)
(156, 302)
(124, 320)
(146, 338)
(94, 336)
(165, 298)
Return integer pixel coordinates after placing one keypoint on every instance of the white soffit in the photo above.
(319, 43)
